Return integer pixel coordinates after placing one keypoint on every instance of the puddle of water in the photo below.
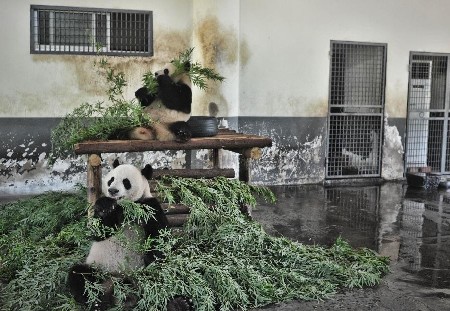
(411, 226)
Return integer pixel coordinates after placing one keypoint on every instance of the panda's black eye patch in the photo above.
(110, 181)
(126, 184)
(166, 71)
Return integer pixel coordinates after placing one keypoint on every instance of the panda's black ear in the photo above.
(187, 66)
(116, 163)
(147, 171)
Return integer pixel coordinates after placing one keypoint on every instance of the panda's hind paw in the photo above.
(181, 131)
(180, 303)
(182, 137)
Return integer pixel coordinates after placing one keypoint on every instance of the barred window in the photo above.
(70, 30)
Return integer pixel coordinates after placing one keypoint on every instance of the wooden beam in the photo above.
(172, 209)
(177, 220)
(232, 141)
(195, 173)
(253, 153)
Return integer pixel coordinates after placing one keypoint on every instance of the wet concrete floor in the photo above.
(411, 226)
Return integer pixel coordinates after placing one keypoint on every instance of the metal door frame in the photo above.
(381, 109)
(444, 117)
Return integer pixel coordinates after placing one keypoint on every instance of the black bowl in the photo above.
(203, 126)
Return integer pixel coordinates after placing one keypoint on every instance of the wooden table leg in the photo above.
(244, 168)
(215, 158)
(245, 156)
(94, 180)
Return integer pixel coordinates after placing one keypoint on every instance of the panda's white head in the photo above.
(126, 181)
(177, 74)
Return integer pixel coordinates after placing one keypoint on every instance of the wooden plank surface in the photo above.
(224, 140)
(195, 173)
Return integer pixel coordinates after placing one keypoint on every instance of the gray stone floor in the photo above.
(411, 226)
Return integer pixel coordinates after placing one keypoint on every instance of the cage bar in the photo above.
(356, 108)
(427, 121)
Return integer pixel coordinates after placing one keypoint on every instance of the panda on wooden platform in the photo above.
(108, 252)
(169, 108)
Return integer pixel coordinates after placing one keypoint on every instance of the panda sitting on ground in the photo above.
(170, 107)
(108, 253)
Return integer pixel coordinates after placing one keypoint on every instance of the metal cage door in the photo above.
(356, 109)
(428, 114)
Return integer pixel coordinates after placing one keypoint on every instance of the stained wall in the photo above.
(274, 55)
(38, 90)
(285, 74)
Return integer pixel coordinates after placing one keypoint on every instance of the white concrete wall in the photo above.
(34, 85)
(287, 72)
(274, 56)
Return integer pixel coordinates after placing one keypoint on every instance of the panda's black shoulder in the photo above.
(176, 96)
(145, 97)
(152, 202)
(159, 219)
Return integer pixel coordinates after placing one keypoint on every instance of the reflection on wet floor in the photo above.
(411, 226)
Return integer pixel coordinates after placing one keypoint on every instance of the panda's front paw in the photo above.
(180, 303)
(109, 212)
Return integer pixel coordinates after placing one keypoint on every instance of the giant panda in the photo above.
(108, 252)
(169, 108)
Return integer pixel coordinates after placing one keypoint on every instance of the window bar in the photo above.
(51, 28)
(108, 32)
(446, 119)
(119, 32)
(68, 37)
(41, 25)
(93, 40)
(126, 37)
(134, 30)
(34, 30)
(123, 32)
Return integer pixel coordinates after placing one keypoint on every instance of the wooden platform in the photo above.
(247, 146)
(226, 139)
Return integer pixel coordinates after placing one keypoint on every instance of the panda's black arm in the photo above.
(76, 281)
(110, 213)
(159, 221)
(144, 96)
(176, 96)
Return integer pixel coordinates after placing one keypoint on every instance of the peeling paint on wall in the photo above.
(284, 166)
(30, 176)
(296, 155)
(26, 176)
(392, 166)
(24, 167)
